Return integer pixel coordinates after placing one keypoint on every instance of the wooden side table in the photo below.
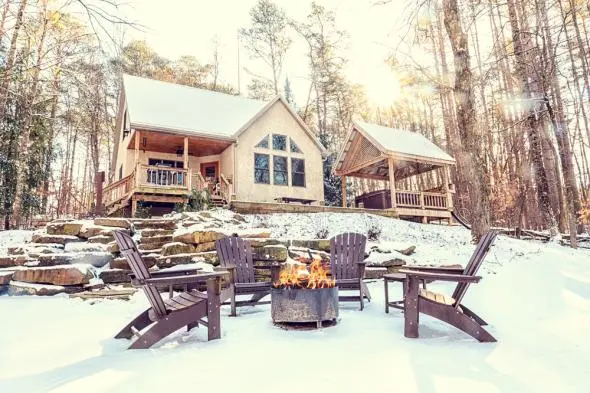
(395, 277)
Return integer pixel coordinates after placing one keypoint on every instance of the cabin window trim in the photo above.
(293, 173)
(261, 172)
(264, 143)
(293, 147)
(277, 137)
(284, 172)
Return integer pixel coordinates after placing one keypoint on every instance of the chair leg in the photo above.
(455, 317)
(139, 323)
(411, 314)
(213, 309)
(473, 315)
(386, 296)
(258, 297)
(366, 291)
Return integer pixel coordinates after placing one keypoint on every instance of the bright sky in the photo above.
(187, 27)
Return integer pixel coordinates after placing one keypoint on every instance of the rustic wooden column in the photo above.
(344, 204)
(392, 181)
(446, 176)
(133, 206)
(136, 159)
(185, 150)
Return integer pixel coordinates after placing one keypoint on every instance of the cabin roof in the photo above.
(395, 141)
(169, 106)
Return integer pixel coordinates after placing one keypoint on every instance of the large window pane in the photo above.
(279, 165)
(279, 142)
(297, 172)
(261, 169)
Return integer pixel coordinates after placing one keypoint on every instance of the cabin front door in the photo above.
(210, 171)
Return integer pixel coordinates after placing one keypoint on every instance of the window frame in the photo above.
(285, 172)
(286, 149)
(262, 169)
(266, 139)
(292, 171)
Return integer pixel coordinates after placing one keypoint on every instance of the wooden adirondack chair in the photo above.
(166, 316)
(447, 309)
(347, 253)
(235, 256)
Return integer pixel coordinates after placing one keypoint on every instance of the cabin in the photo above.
(174, 139)
(399, 165)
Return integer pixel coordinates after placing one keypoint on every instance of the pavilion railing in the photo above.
(421, 200)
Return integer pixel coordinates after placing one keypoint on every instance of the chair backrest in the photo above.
(236, 251)
(346, 249)
(482, 249)
(140, 270)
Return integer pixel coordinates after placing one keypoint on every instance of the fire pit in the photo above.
(304, 296)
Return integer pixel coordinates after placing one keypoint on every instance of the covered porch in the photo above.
(166, 167)
(405, 173)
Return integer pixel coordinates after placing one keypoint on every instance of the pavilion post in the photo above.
(185, 162)
(392, 182)
(344, 201)
(446, 189)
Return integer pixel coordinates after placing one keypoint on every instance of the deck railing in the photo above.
(421, 200)
(226, 188)
(118, 190)
(166, 177)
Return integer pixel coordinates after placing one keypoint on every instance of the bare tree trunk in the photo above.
(466, 120)
(5, 81)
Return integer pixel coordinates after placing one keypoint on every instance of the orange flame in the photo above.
(297, 276)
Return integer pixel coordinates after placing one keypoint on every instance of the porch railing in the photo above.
(226, 188)
(158, 176)
(118, 190)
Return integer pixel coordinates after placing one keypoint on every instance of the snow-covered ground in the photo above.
(535, 296)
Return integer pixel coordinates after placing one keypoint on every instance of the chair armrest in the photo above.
(435, 269)
(440, 276)
(179, 280)
(228, 269)
(175, 272)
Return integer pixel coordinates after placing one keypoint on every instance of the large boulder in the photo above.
(277, 253)
(92, 230)
(102, 239)
(13, 260)
(121, 263)
(96, 259)
(150, 232)
(154, 223)
(115, 276)
(254, 233)
(161, 239)
(40, 237)
(177, 248)
(314, 244)
(182, 259)
(299, 253)
(196, 234)
(17, 288)
(55, 275)
(71, 228)
(260, 242)
(5, 277)
(204, 247)
(113, 222)
(84, 247)
(113, 248)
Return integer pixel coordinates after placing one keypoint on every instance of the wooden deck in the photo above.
(158, 184)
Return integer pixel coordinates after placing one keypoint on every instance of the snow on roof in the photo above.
(174, 107)
(405, 142)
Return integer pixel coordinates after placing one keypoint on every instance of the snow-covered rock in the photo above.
(56, 275)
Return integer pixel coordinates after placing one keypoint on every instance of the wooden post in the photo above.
(137, 137)
(446, 189)
(98, 180)
(344, 202)
(185, 150)
(133, 206)
(392, 182)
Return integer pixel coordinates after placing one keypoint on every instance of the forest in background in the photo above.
(502, 86)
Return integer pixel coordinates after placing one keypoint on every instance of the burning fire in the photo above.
(297, 276)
